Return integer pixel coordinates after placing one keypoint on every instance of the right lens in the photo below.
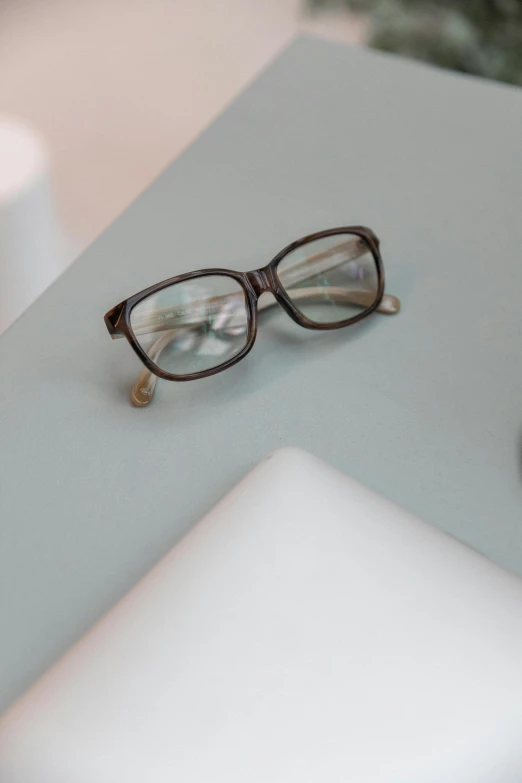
(193, 326)
(331, 279)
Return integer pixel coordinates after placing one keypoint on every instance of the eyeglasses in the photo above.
(201, 323)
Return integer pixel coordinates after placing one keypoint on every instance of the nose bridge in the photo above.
(261, 280)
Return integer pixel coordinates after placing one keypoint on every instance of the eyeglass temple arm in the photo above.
(160, 319)
(143, 390)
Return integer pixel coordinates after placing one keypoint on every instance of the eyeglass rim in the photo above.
(118, 319)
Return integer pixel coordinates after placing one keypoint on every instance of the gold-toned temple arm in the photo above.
(144, 388)
(161, 319)
(389, 305)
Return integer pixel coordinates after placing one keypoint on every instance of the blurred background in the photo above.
(98, 96)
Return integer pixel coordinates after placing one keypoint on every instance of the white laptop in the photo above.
(305, 631)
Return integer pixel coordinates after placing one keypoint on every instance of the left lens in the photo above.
(193, 326)
(331, 279)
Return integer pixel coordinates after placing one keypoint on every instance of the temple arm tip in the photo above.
(143, 390)
(389, 305)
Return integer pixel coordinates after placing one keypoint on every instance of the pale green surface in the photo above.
(425, 407)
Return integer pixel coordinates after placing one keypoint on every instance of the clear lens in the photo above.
(331, 279)
(193, 326)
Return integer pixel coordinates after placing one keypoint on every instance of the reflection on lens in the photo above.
(330, 279)
(193, 326)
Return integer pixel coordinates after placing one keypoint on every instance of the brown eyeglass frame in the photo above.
(254, 284)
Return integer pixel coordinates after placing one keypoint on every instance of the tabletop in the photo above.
(425, 407)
